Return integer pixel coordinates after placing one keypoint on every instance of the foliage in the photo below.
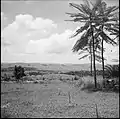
(12, 69)
(6, 77)
(89, 85)
(99, 21)
(19, 72)
(112, 71)
(83, 73)
(111, 84)
(104, 85)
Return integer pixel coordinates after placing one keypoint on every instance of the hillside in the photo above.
(56, 67)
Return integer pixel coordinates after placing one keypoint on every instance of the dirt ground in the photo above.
(52, 100)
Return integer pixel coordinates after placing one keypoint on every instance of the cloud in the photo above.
(27, 21)
(55, 44)
(32, 39)
(25, 27)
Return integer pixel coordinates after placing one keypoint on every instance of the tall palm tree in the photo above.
(107, 21)
(96, 20)
(87, 15)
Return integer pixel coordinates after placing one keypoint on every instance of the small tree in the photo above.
(18, 72)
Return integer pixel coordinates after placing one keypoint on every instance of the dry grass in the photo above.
(89, 85)
(36, 100)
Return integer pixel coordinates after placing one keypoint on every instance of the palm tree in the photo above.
(107, 18)
(87, 15)
(98, 20)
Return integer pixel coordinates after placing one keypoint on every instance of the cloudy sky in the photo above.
(35, 31)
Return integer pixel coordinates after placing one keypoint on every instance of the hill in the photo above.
(54, 67)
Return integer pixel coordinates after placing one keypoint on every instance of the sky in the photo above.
(36, 31)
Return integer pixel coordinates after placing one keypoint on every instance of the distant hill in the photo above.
(56, 67)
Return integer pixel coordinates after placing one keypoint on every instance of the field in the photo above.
(57, 96)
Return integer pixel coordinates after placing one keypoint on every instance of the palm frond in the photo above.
(83, 41)
(113, 14)
(86, 9)
(86, 3)
(107, 25)
(78, 7)
(96, 5)
(112, 70)
(80, 44)
(85, 27)
(99, 48)
(107, 38)
(84, 56)
(99, 58)
(83, 51)
(111, 9)
(113, 29)
(80, 19)
(77, 15)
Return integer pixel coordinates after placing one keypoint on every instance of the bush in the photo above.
(112, 71)
(102, 85)
(111, 84)
(90, 86)
(19, 72)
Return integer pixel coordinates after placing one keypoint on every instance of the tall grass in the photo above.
(102, 85)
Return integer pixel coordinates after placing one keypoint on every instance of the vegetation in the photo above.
(6, 77)
(35, 100)
(98, 19)
(112, 71)
(19, 72)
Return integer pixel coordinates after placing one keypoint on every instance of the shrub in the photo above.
(111, 84)
(90, 86)
(19, 72)
(112, 71)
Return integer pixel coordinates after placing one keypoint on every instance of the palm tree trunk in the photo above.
(103, 60)
(103, 57)
(95, 79)
(91, 59)
(91, 64)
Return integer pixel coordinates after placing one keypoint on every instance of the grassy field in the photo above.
(51, 99)
(57, 93)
